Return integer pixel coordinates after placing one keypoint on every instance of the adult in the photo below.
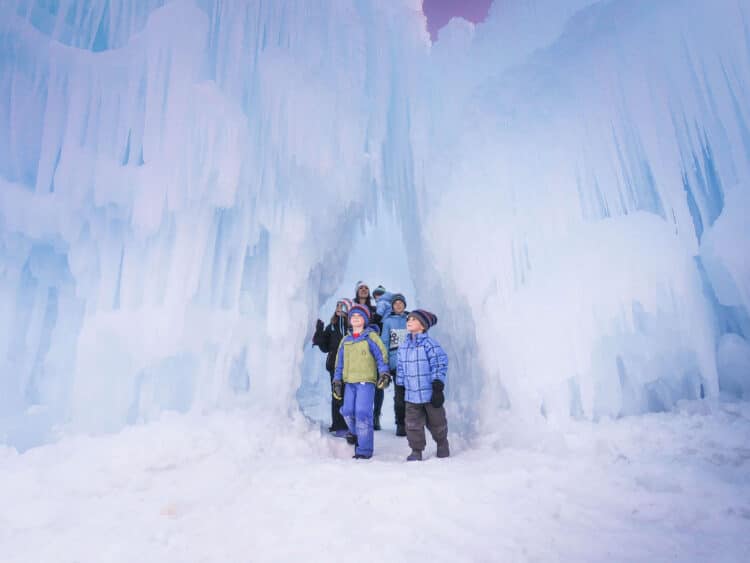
(327, 338)
(362, 296)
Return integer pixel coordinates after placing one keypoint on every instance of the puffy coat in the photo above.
(361, 359)
(328, 341)
(383, 304)
(394, 331)
(421, 360)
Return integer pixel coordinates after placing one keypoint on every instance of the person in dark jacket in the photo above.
(327, 338)
(362, 296)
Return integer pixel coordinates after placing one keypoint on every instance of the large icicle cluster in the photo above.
(171, 179)
(587, 206)
(179, 181)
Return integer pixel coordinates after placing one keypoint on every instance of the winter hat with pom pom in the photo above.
(425, 318)
(346, 304)
(398, 297)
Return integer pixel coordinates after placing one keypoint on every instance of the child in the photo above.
(382, 307)
(383, 300)
(328, 340)
(361, 357)
(421, 369)
(393, 333)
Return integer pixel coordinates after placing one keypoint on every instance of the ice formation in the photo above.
(179, 182)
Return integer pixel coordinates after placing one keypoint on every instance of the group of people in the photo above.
(368, 345)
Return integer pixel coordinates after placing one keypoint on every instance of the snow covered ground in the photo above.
(228, 487)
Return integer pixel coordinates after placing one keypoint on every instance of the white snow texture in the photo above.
(180, 182)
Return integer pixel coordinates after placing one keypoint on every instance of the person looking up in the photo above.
(361, 365)
(422, 368)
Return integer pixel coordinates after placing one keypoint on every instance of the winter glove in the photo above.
(318, 334)
(384, 380)
(437, 394)
(338, 390)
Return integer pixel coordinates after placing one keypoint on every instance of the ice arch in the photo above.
(174, 176)
(376, 255)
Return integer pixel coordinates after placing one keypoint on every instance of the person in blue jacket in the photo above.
(383, 301)
(422, 368)
(361, 364)
(393, 333)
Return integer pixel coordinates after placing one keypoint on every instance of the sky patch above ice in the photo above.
(440, 12)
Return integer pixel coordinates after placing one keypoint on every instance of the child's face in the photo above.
(357, 322)
(398, 307)
(413, 326)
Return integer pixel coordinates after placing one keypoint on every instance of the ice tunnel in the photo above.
(182, 184)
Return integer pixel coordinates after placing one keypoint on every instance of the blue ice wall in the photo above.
(179, 180)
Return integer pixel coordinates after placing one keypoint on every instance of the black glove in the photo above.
(437, 394)
(338, 389)
(384, 380)
(319, 326)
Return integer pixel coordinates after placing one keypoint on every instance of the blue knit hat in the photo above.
(425, 318)
(398, 297)
(358, 309)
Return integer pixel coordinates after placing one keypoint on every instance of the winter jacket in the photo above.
(328, 341)
(394, 331)
(383, 305)
(361, 359)
(421, 360)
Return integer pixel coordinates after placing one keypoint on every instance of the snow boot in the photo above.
(341, 433)
(351, 439)
(400, 430)
(443, 450)
(376, 422)
(361, 456)
(415, 455)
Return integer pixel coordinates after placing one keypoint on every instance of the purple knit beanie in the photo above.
(358, 309)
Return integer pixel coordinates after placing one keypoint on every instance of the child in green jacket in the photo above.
(360, 358)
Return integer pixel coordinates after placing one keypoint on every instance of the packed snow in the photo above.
(234, 486)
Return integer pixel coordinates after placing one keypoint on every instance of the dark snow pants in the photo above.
(379, 396)
(419, 415)
(337, 421)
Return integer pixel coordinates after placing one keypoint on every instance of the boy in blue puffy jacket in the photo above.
(422, 367)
